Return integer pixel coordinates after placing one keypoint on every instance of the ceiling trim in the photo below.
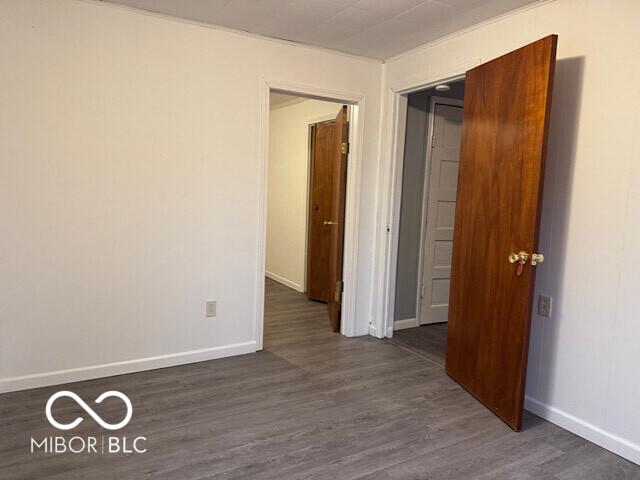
(476, 26)
(232, 31)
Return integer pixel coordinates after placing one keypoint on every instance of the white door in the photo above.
(440, 194)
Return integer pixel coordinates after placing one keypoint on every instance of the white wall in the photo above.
(583, 366)
(287, 187)
(129, 182)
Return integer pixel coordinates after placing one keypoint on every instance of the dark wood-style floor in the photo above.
(313, 404)
(429, 341)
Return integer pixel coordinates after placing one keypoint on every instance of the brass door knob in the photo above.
(330, 222)
(521, 258)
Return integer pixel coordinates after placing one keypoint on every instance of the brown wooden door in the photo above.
(340, 150)
(507, 103)
(320, 197)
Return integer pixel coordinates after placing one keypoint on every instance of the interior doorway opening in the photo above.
(305, 206)
(495, 226)
(427, 214)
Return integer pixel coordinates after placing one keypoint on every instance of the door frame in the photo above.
(433, 100)
(390, 192)
(356, 111)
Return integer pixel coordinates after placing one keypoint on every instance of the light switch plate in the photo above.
(544, 306)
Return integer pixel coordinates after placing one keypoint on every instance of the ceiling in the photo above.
(373, 28)
(280, 98)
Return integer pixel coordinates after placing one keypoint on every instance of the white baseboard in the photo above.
(406, 323)
(593, 433)
(285, 281)
(13, 384)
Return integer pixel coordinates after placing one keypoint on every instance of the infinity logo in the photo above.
(89, 410)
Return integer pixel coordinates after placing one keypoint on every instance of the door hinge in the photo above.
(345, 148)
(433, 141)
(422, 291)
(338, 293)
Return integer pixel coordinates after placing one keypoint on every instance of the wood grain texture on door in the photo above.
(504, 135)
(320, 197)
(340, 155)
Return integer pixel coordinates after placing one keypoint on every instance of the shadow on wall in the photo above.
(556, 206)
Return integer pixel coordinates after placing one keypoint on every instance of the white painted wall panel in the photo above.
(129, 183)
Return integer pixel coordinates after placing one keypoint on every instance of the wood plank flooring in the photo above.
(311, 405)
(429, 341)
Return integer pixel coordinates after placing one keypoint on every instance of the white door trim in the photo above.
(390, 191)
(356, 112)
(434, 100)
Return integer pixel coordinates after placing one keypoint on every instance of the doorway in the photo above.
(494, 227)
(325, 210)
(306, 196)
(429, 185)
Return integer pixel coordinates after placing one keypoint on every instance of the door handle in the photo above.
(521, 258)
(330, 222)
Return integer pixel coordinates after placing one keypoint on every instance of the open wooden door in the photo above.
(504, 135)
(341, 150)
(319, 233)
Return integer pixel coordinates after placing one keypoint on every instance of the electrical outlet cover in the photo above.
(544, 306)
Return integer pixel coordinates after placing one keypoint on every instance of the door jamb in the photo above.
(356, 111)
(433, 101)
(390, 177)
